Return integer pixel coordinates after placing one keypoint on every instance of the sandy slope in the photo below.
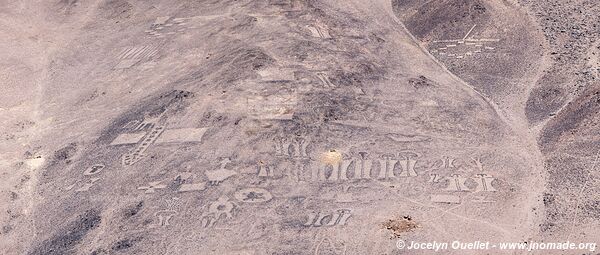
(527, 147)
(357, 81)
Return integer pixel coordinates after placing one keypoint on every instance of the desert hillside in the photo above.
(297, 126)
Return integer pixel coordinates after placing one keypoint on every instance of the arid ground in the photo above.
(298, 126)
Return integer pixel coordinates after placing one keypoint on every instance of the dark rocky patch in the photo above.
(115, 9)
(421, 82)
(579, 118)
(65, 240)
(134, 210)
(64, 154)
(544, 102)
(124, 244)
(445, 16)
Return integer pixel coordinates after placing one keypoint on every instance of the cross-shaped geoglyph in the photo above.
(152, 187)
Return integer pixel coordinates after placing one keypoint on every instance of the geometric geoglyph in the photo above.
(181, 135)
(158, 134)
(460, 48)
(130, 138)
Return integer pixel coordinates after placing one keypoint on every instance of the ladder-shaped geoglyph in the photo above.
(151, 131)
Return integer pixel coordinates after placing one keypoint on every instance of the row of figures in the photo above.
(220, 210)
(338, 218)
(457, 183)
(387, 167)
(446, 162)
(364, 168)
(295, 148)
